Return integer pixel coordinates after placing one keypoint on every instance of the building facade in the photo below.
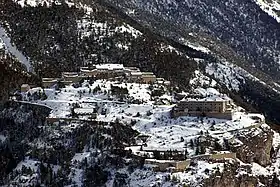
(217, 108)
(49, 82)
(163, 165)
(148, 77)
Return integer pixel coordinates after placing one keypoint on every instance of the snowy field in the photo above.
(153, 121)
(60, 101)
(147, 118)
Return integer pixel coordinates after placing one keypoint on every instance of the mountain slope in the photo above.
(13, 71)
(61, 36)
(241, 25)
(95, 31)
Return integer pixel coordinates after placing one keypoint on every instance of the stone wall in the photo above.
(220, 115)
(220, 156)
(162, 165)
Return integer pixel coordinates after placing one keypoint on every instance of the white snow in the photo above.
(168, 48)
(259, 170)
(154, 121)
(32, 164)
(206, 92)
(271, 7)
(79, 157)
(6, 42)
(226, 73)
(276, 140)
(60, 102)
(199, 79)
(32, 3)
(127, 28)
(76, 176)
(151, 120)
(110, 66)
(88, 26)
(198, 47)
(2, 138)
(202, 171)
(233, 76)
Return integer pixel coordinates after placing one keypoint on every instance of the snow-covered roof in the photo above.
(87, 71)
(163, 149)
(70, 74)
(84, 110)
(161, 161)
(160, 79)
(48, 79)
(209, 98)
(24, 85)
(136, 73)
(132, 68)
(147, 73)
(110, 66)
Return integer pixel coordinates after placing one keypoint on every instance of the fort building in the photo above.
(148, 77)
(49, 82)
(163, 165)
(213, 106)
(131, 69)
(106, 71)
(135, 76)
(88, 72)
(91, 113)
(72, 76)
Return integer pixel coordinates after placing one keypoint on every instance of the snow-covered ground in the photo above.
(225, 72)
(154, 121)
(166, 133)
(2, 138)
(199, 79)
(233, 76)
(271, 7)
(127, 28)
(149, 119)
(60, 101)
(89, 27)
(5, 42)
(194, 46)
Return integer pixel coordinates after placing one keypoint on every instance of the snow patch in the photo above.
(6, 43)
(271, 7)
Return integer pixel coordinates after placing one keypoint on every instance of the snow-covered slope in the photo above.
(271, 7)
(139, 110)
(240, 24)
(5, 43)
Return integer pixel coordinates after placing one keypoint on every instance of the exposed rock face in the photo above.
(231, 177)
(257, 145)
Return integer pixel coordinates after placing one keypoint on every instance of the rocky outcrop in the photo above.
(256, 145)
(234, 175)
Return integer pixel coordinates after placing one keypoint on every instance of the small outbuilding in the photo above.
(25, 88)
